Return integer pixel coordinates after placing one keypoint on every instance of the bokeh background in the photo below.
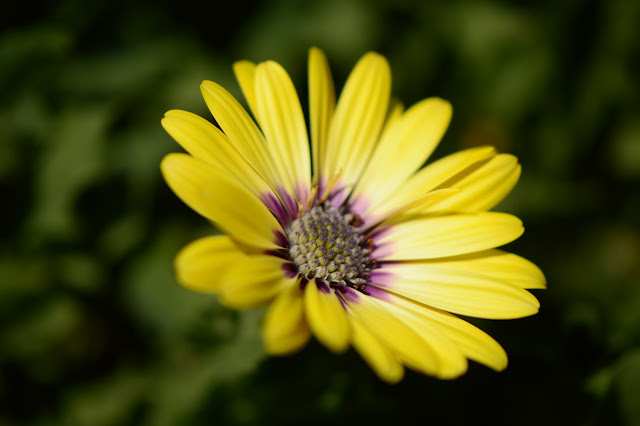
(95, 330)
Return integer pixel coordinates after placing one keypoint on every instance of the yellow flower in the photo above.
(340, 230)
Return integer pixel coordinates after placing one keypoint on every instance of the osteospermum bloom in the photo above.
(340, 229)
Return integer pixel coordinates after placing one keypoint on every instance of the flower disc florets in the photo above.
(325, 244)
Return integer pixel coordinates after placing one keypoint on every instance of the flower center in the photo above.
(325, 244)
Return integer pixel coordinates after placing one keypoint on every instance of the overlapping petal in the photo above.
(404, 147)
(284, 328)
(254, 281)
(481, 188)
(206, 142)
(401, 339)
(451, 361)
(243, 132)
(460, 292)
(203, 264)
(221, 199)
(433, 176)
(474, 343)
(376, 354)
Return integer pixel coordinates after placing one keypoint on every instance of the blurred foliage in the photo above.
(95, 331)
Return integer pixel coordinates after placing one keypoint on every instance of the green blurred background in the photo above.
(95, 330)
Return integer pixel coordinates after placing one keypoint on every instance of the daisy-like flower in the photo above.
(340, 230)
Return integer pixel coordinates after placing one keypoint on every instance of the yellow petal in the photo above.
(451, 361)
(245, 72)
(243, 132)
(358, 119)
(405, 147)
(221, 199)
(401, 339)
(282, 122)
(461, 292)
(398, 214)
(482, 188)
(473, 342)
(495, 263)
(284, 329)
(322, 103)
(432, 177)
(205, 141)
(327, 317)
(202, 265)
(254, 281)
(442, 236)
(380, 358)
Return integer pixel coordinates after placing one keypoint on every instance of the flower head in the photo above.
(340, 229)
